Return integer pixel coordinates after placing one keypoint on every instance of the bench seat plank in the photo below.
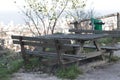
(39, 53)
(103, 47)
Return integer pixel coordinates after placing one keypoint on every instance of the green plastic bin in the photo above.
(97, 24)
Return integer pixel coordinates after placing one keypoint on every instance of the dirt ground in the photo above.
(105, 71)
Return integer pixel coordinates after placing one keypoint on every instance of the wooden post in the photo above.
(23, 51)
(77, 24)
(96, 45)
(118, 21)
(59, 57)
(80, 50)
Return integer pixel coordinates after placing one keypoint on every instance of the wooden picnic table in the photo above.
(54, 41)
(112, 34)
(80, 38)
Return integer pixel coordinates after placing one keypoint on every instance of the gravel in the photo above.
(105, 71)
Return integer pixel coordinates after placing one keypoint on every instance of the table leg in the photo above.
(97, 46)
(80, 49)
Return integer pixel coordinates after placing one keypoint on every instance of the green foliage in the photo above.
(9, 63)
(14, 66)
(114, 59)
(105, 41)
(3, 73)
(46, 13)
(34, 63)
(70, 72)
(8, 69)
(87, 50)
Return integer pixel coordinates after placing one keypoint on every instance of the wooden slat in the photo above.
(64, 41)
(35, 43)
(40, 38)
(27, 43)
(93, 54)
(103, 47)
(26, 38)
(38, 53)
(87, 56)
(70, 47)
(102, 17)
(94, 31)
(114, 33)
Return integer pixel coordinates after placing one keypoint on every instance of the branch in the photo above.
(59, 16)
(41, 20)
(29, 26)
(30, 17)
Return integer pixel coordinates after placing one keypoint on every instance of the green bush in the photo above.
(105, 41)
(9, 63)
(114, 59)
(70, 72)
(14, 66)
(33, 64)
(7, 69)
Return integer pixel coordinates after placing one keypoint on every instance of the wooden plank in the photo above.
(87, 56)
(27, 43)
(114, 33)
(50, 44)
(93, 54)
(35, 44)
(40, 38)
(102, 17)
(64, 41)
(26, 38)
(39, 53)
(70, 47)
(103, 47)
(92, 31)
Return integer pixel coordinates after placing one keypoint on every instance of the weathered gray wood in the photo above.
(94, 31)
(84, 37)
(113, 33)
(46, 42)
(69, 56)
(64, 44)
(71, 45)
(118, 21)
(26, 38)
(35, 43)
(93, 54)
(102, 17)
(87, 56)
(103, 47)
(109, 49)
(60, 42)
(25, 58)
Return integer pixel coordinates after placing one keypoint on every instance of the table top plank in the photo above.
(75, 36)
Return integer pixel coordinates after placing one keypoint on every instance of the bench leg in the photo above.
(110, 55)
(80, 50)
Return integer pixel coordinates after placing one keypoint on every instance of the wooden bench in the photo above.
(111, 34)
(108, 49)
(59, 46)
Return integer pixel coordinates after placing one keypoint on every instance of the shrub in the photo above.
(70, 72)
(114, 58)
(33, 64)
(9, 63)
